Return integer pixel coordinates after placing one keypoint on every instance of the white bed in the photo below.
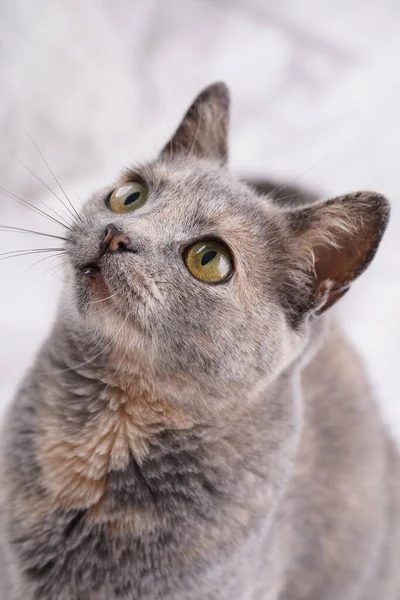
(316, 96)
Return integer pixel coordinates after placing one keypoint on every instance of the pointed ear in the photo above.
(335, 241)
(204, 130)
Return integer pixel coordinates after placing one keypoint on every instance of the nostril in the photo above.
(115, 240)
(120, 243)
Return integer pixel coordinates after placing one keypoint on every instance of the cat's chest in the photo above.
(126, 498)
(97, 457)
(88, 561)
(153, 533)
(69, 557)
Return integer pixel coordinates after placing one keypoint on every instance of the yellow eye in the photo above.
(209, 261)
(128, 198)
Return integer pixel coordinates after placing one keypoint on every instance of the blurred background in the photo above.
(99, 84)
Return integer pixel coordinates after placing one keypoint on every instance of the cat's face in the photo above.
(197, 275)
(222, 318)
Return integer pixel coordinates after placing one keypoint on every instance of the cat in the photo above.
(194, 427)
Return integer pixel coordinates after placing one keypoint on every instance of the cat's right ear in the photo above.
(334, 242)
(203, 132)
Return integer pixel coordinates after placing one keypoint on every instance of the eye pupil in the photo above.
(127, 198)
(132, 198)
(208, 257)
(209, 261)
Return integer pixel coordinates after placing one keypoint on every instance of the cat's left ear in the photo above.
(203, 132)
(334, 242)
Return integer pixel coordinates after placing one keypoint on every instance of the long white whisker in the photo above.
(21, 230)
(61, 217)
(51, 257)
(32, 207)
(53, 269)
(96, 356)
(104, 299)
(42, 182)
(276, 192)
(83, 205)
(17, 253)
(53, 175)
(32, 250)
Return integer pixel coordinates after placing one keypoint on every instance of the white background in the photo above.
(316, 96)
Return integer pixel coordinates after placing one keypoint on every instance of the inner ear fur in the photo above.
(336, 240)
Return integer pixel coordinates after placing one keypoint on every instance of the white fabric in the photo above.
(316, 91)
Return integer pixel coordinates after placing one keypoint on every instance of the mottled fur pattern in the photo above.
(178, 440)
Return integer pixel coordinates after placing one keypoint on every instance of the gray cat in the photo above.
(193, 428)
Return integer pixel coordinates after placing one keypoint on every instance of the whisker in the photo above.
(104, 299)
(101, 314)
(61, 217)
(78, 366)
(53, 269)
(53, 175)
(17, 253)
(287, 197)
(21, 230)
(41, 181)
(51, 257)
(83, 205)
(33, 250)
(31, 206)
(275, 192)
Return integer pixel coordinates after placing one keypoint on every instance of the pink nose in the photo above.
(115, 241)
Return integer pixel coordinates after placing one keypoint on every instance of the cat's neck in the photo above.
(104, 430)
(83, 361)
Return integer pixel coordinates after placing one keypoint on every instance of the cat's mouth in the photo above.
(95, 281)
(92, 270)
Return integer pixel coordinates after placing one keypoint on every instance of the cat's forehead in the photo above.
(198, 190)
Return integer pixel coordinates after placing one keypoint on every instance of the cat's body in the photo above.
(223, 444)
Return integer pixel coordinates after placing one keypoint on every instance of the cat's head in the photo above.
(199, 275)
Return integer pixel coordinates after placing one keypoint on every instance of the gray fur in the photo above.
(184, 441)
